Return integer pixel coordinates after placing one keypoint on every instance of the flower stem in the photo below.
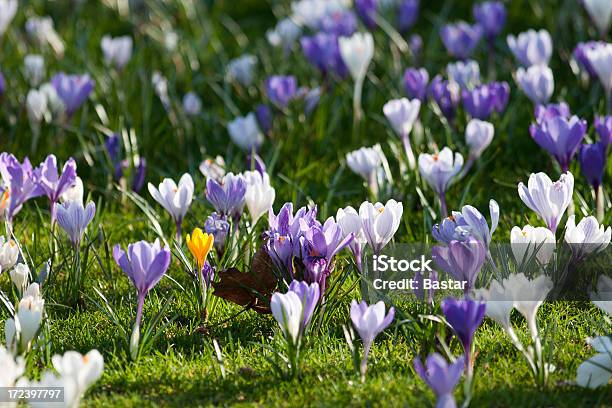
(599, 200)
(363, 367)
(409, 152)
(443, 211)
(357, 91)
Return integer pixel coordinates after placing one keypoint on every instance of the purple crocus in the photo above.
(369, 321)
(441, 377)
(73, 218)
(603, 126)
(341, 23)
(264, 117)
(544, 112)
(322, 51)
(73, 90)
(415, 83)
(481, 101)
(491, 16)
(309, 294)
(367, 11)
(407, 14)
(54, 185)
(144, 263)
(460, 39)
(281, 89)
(446, 95)
(415, 44)
(452, 228)
(560, 137)
(19, 184)
(218, 226)
(592, 159)
(2, 84)
(320, 245)
(227, 196)
(580, 55)
(464, 316)
(462, 260)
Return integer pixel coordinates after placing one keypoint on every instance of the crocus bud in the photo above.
(491, 15)
(117, 51)
(285, 34)
(245, 132)
(466, 74)
(415, 83)
(8, 9)
(600, 12)
(537, 82)
(19, 276)
(600, 57)
(36, 106)
(242, 69)
(531, 47)
(34, 69)
(478, 136)
(192, 104)
(357, 52)
(460, 39)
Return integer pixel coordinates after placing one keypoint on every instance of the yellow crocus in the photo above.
(199, 244)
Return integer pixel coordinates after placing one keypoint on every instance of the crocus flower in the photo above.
(600, 57)
(596, 371)
(77, 371)
(12, 369)
(545, 112)
(349, 221)
(462, 260)
(460, 39)
(367, 162)
(602, 297)
(281, 89)
(415, 83)
(407, 14)
(21, 330)
(284, 34)
(192, 104)
(580, 55)
(8, 9)
(464, 316)
(312, 12)
(117, 51)
(560, 137)
(175, 199)
(369, 321)
(491, 16)
(402, 114)
(547, 198)
(380, 222)
(264, 117)
(309, 294)
(600, 12)
(483, 100)
(52, 183)
(34, 68)
(446, 95)
(42, 31)
(73, 90)
(451, 228)
(228, 196)
(293, 310)
(9, 253)
(528, 241)
(145, 264)
(441, 377)
(367, 11)
(415, 44)
(322, 51)
(74, 218)
(259, 196)
(36, 106)
(199, 244)
(438, 170)
(217, 226)
(19, 184)
(587, 237)
(74, 192)
(528, 295)
(242, 69)
(478, 136)
(466, 74)
(476, 224)
(531, 47)
(245, 132)
(537, 82)
(592, 159)
(603, 126)
(340, 22)
(357, 52)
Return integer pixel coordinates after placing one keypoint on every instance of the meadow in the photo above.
(168, 107)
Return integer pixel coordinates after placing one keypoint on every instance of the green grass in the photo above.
(305, 158)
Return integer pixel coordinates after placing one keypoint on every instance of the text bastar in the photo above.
(383, 263)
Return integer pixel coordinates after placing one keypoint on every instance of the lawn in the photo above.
(305, 157)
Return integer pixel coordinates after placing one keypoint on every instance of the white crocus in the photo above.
(597, 370)
(36, 106)
(478, 136)
(530, 241)
(528, 296)
(602, 298)
(213, 168)
(402, 114)
(175, 199)
(85, 369)
(20, 275)
(547, 198)
(287, 309)
(587, 237)
(380, 222)
(600, 12)
(54, 102)
(192, 104)
(21, 330)
(499, 305)
(600, 57)
(357, 52)
(74, 193)
(285, 34)
(367, 162)
(8, 9)
(34, 69)
(12, 370)
(531, 47)
(117, 51)
(242, 69)
(350, 223)
(245, 132)
(464, 74)
(259, 194)
(537, 82)
(439, 169)
(41, 30)
(9, 253)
